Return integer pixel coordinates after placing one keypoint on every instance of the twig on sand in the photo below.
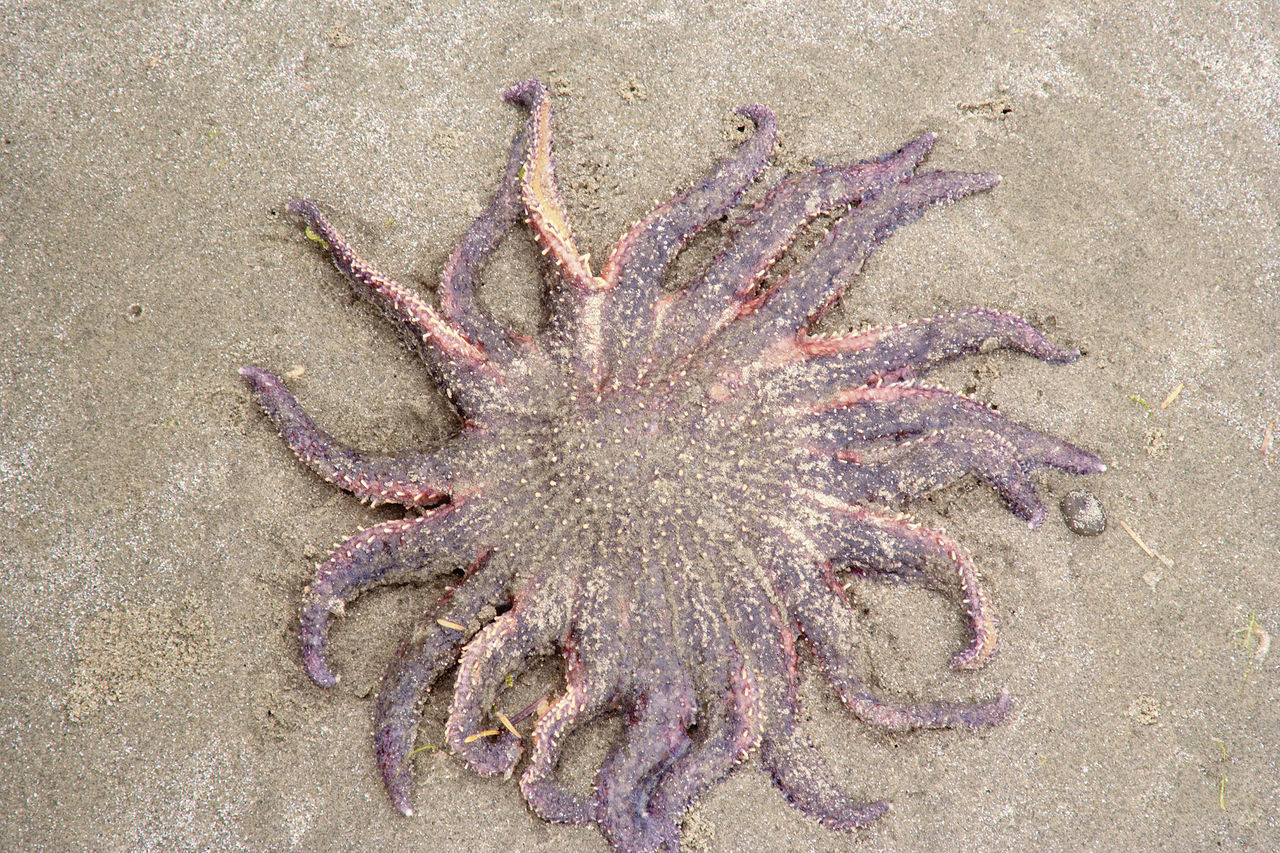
(1147, 549)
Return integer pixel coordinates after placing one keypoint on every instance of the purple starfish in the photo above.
(660, 487)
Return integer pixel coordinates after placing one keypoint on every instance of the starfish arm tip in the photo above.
(303, 207)
(524, 92)
(758, 113)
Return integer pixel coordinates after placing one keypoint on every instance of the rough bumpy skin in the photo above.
(661, 486)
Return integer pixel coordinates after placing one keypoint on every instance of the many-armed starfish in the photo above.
(661, 486)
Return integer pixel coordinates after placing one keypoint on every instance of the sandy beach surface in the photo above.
(157, 534)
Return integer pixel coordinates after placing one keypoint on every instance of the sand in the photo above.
(158, 534)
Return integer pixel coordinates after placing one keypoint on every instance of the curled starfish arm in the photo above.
(728, 720)
(900, 471)
(896, 442)
(870, 413)
(589, 694)
(804, 778)
(902, 441)
(593, 669)
(728, 286)
(824, 618)
(412, 479)
(380, 554)
(635, 268)
(429, 652)
(505, 647)
(895, 548)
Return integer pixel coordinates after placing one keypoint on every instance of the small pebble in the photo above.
(1083, 513)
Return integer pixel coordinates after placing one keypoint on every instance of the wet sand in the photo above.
(158, 534)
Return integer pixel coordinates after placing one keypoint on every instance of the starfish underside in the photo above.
(661, 486)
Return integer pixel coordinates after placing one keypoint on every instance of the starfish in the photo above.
(665, 488)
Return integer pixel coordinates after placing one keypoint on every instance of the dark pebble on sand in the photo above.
(1083, 513)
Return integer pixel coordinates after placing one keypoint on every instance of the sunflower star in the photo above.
(659, 486)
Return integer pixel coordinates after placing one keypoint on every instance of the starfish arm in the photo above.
(541, 193)
(421, 323)
(912, 349)
(465, 370)
(429, 652)
(729, 718)
(507, 646)
(575, 331)
(589, 693)
(901, 471)
(637, 262)
(788, 755)
(823, 616)
(593, 671)
(635, 268)
(799, 771)
(728, 285)
(897, 442)
(895, 548)
(458, 283)
(384, 553)
(895, 411)
(412, 479)
(801, 298)
(656, 734)
(729, 726)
